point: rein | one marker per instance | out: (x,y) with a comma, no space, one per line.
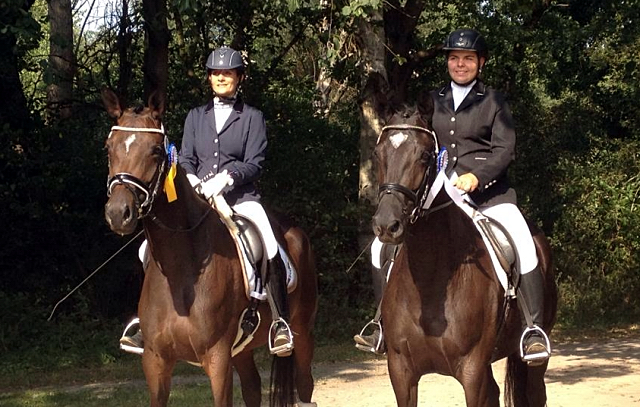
(419,196)
(134,184)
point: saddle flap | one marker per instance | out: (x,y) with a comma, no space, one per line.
(500,241)
(250,237)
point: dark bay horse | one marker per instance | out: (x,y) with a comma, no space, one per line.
(444,310)
(193,292)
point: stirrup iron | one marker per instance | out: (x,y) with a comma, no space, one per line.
(128,348)
(378,347)
(281,350)
(536,356)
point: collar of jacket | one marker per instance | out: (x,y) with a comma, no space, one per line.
(479,88)
(238,106)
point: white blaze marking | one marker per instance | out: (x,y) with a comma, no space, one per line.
(129,141)
(397,139)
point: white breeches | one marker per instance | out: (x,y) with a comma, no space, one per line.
(510,217)
(255,212)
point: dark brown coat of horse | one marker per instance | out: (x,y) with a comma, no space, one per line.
(444,310)
(193,292)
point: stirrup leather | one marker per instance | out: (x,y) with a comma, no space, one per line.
(536,356)
(378,347)
(281,350)
(127,348)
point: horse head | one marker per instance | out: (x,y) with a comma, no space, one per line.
(137,156)
(405,156)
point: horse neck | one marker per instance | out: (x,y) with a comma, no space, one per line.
(178,230)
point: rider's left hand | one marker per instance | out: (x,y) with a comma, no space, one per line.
(216,184)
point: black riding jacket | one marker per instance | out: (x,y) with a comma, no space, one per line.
(480,138)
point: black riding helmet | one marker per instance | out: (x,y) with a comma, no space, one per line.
(225,58)
(466,39)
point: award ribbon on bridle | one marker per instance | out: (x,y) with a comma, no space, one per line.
(169,185)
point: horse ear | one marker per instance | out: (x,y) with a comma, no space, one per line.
(157,103)
(376,90)
(111,103)
(425,105)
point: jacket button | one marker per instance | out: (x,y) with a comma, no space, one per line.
(215,141)
(453,119)
(453,145)
(451,132)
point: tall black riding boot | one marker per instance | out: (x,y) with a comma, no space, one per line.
(280,335)
(535,346)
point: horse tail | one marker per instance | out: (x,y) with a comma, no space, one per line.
(515,383)
(282,381)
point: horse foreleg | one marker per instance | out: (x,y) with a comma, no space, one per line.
(303,354)
(158,374)
(480,388)
(217,365)
(249,378)
(403,380)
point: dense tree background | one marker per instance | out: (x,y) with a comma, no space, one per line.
(570,69)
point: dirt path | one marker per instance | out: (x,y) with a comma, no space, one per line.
(580,375)
(588,373)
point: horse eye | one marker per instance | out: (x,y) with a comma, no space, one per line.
(158,151)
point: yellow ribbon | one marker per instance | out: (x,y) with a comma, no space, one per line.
(169,186)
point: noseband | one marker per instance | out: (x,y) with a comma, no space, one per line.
(134,184)
(419,196)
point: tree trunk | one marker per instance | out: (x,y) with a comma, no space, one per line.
(156,56)
(13,109)
(372,46)
(400,24)
(62,63)
(124,45)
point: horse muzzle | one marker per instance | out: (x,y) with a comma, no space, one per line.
(121,213)
(389,225)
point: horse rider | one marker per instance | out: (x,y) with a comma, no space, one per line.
(474,123)
(223,148)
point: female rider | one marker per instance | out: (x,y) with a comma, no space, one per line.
(475,124)
(223,147)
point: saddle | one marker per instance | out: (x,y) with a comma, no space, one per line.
(251,250)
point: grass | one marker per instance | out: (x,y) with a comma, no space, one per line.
(120,383)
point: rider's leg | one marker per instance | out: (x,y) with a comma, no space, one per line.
(381,258)
(136,340)
(282,339)
(535,345)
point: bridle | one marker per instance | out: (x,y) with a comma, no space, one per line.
(134,184)
(419,196)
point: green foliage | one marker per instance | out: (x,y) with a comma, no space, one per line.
(312,175)
(598,237)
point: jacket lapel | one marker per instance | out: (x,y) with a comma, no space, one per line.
(446,98)
(211,117)
(235,115)
(476,93)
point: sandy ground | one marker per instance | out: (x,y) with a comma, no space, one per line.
(580,375)
(589,373)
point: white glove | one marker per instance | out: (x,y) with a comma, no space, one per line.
(193,180)
(216,184)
